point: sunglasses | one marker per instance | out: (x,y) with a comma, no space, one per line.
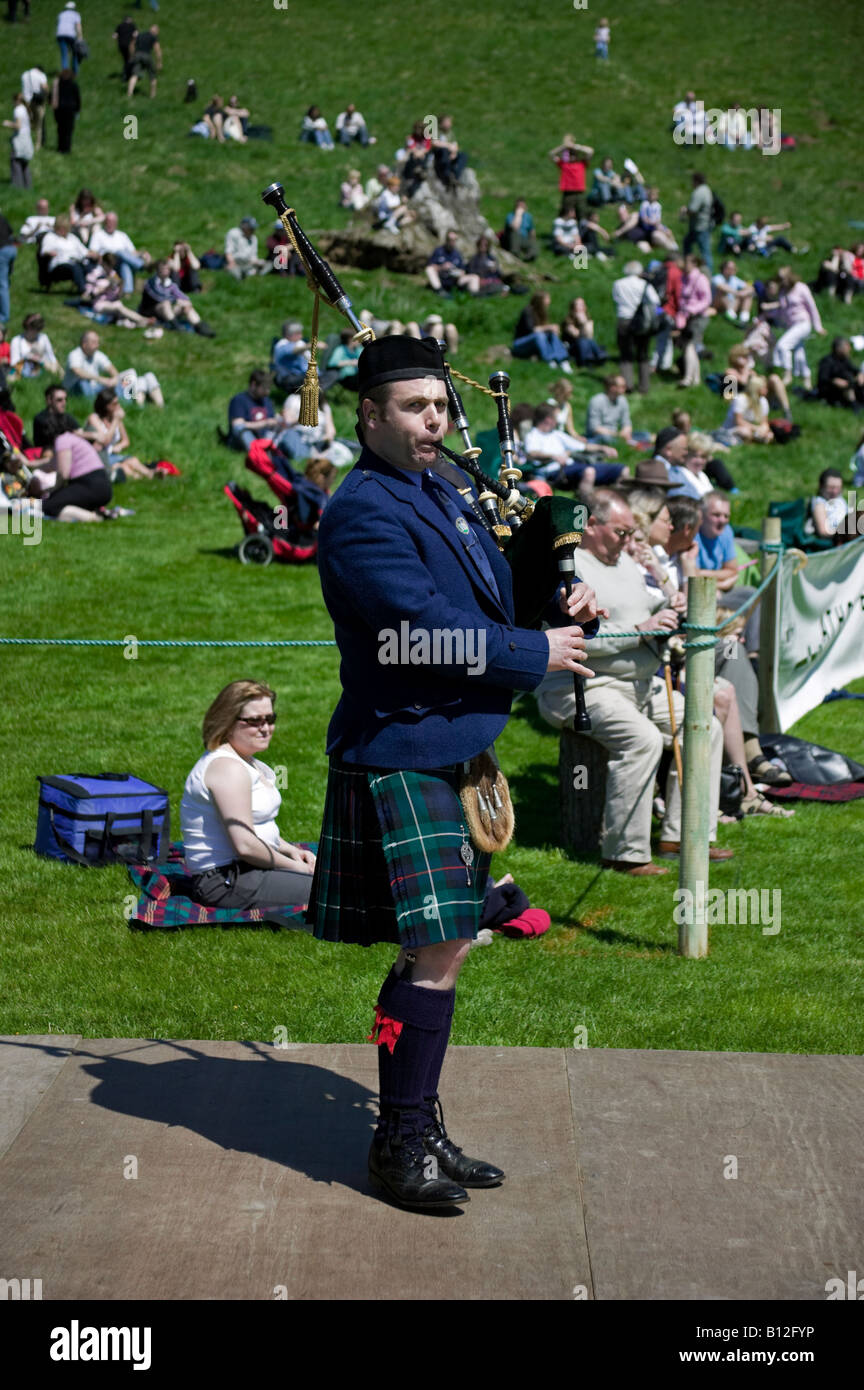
(623,533)
(257,721)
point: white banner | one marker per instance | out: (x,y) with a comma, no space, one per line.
(820,628)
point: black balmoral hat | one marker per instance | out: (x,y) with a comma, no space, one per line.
(398,358)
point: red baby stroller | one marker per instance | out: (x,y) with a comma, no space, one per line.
(287,532)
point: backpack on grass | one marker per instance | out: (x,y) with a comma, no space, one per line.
(102,817)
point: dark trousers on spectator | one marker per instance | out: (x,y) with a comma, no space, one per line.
(19,172)
(719,474)
(73,270)
(633,347)
(575,202)
(65,125)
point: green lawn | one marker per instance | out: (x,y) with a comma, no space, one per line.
(515,84)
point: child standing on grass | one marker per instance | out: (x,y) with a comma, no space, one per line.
(601,40)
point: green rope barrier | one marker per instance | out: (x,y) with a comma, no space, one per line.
(715,630)
(145,642)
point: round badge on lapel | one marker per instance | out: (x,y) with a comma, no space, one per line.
(462,525)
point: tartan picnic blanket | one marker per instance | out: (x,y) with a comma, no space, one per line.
(164,906)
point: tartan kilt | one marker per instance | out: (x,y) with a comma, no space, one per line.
(389,866)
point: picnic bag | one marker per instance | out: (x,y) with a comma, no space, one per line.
(102,817)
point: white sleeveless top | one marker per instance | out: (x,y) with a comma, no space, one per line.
(206,842)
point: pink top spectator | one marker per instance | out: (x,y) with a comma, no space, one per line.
(84,457)
(798,305)
(695,297)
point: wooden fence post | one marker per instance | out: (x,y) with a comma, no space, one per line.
(696,796)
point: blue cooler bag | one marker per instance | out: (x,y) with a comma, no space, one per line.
(97,818)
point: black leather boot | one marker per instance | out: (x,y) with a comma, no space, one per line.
(470,1172)
(399,1162)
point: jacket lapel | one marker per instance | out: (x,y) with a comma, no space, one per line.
(405,490)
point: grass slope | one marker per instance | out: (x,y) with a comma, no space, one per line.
(69,962)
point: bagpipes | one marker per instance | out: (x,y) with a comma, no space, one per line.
(538,537)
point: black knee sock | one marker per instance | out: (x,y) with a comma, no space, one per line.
(437,1051)
(409,1020)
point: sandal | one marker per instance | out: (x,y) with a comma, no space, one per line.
(763,771)
(759,805)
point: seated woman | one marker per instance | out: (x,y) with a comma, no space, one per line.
(630,229)
(184,266)
(344,358)
(107,432)
(649,219)
(519,236)
(298,441)
(561,397)
(484,265)
(235,119)
(31,350)
(211,123)
(757,349)
(82,489)
(535,336)
(690,478)
(103,293)
(351,193)
(747,416)
(391,209)
(709,443)
(828,510)
(85,214)
(315,129)
(234,852)
(577,334)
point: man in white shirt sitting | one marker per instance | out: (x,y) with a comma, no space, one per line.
(66,254)
(241,251)
(626,699)
(350,125)
(732,295)
(554,455)
(89,371)
(38,222)
(108,237)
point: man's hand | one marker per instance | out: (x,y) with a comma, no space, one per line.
(678,602)
(567,650)
(581,604)
(664,620)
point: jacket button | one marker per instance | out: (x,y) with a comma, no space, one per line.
(512,646)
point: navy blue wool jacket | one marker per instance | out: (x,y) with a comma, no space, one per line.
(389,556)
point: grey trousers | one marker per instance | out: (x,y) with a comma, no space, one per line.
(243,885)
(631,720)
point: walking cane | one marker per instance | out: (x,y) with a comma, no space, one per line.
(676,747)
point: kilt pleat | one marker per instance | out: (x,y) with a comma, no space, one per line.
(389,866)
